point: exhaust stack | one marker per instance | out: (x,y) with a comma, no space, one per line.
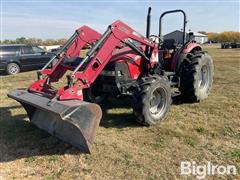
(148,22)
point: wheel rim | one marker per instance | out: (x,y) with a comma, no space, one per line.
(204,78)
(13,69)
(158,103)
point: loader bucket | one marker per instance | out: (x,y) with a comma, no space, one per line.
(72,121)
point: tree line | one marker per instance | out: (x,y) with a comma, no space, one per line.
(227,36)
(35,41)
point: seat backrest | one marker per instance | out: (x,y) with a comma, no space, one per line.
(72,61)
(169,44)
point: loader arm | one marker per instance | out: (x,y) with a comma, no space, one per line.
(82,36)
(98,57)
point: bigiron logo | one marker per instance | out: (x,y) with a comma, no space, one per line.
(203,170)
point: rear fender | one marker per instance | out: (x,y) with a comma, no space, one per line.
(191,47)
(182,53)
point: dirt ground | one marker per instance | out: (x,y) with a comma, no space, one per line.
(123,149)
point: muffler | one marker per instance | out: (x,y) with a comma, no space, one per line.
(72,121)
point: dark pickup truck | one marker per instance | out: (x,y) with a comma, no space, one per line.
(17,57)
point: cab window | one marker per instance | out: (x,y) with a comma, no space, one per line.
(27,50)
(37,50)
(9,51)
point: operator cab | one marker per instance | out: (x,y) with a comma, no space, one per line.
(167,47)
(167,51)
(169,44)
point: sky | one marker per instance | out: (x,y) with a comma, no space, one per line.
(59,18)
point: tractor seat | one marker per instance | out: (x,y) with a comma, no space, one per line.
(169,44)
(72,61)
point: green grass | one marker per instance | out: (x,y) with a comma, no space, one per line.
(234,154)
(123,149)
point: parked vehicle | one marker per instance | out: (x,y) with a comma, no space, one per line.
(18,57)
(54,50)
(228,45)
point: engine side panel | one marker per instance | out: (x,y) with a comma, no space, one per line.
(132,60)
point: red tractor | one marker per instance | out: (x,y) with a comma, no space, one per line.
(120,62)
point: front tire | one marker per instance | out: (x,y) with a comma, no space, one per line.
(152,100)
(12,68)
(196,77)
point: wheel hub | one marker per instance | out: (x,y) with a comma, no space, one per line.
(13,69)
(204,78)
(158,102)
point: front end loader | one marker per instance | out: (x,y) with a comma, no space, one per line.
(120,62)
(70,119)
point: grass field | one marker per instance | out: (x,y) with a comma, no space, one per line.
(123,149)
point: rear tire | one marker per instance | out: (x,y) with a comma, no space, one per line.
(152,100)
(196,77)
(12,68)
